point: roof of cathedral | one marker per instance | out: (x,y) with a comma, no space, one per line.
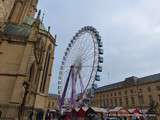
(17,30)
(23,29)
(130,81)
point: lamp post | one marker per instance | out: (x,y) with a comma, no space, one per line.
(22,106)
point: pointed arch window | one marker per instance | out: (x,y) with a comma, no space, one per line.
(32,72)
(45,70)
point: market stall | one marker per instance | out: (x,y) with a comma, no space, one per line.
(137,113)
(120,113)
(81,113)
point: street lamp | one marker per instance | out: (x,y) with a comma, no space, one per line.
(21,109)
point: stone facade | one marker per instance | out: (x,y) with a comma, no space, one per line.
(131,93)
(52,102)
(26,58)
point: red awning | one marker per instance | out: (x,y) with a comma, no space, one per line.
(81,113)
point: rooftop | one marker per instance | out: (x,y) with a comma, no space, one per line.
(131,81)
(23,29)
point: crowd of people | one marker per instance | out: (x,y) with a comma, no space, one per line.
(91,115)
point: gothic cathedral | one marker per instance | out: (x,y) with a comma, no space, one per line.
(26,58)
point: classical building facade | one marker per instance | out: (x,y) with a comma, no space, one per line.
(131,93)
(26,58)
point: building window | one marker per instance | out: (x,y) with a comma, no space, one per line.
(150,99)
(115,102)
(52,104)
(131,91)
(111,94)
(159,97)
(140,90)
(104,103)
(133,101)
(111,102)
(45,71)
(107,95)
(158,88)
(149,89)
(127,101)
(141,99)
(120,101)
(119,93)
(104,96)
(101,104)
(107,102)
(97,102)
(48,104)
(115,94)
(125,92)
(100,101)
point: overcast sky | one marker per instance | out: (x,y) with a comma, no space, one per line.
(130,30)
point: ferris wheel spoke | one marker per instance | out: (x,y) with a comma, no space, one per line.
(83,44)
(87,46)
(85,58)
(87,51)
(80,45)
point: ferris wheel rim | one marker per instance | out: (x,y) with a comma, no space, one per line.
(72,42)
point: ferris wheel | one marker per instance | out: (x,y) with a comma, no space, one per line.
(80,66)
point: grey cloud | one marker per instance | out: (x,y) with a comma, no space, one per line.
(129,29)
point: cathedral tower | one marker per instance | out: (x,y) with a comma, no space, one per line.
(22,9)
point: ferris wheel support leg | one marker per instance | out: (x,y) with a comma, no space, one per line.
(65,89)
(81,83)
(73,95)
